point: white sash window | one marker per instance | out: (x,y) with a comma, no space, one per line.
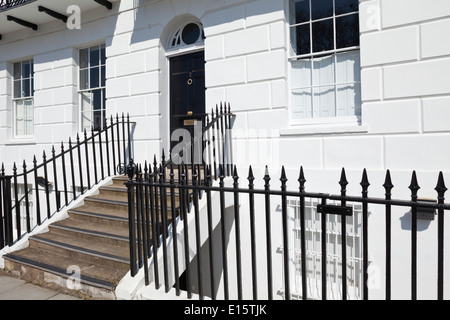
(92,88)
(325,60)
(23,84)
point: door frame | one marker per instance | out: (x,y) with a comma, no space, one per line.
(169,56)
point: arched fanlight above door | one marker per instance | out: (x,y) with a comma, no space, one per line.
(190,33)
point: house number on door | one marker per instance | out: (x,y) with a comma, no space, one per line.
(189,82)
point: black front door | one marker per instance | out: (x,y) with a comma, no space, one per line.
(187,92)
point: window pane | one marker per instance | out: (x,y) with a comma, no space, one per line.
(26,69)
(94,80)
(86,111)
(94,56)
(103,77)
(84,79)
(17,88)
(349,100)
(323,39)
(301,40)
(97,120)
(84,58)
(97,99)
(301,11)
(348,67)
(347,31)
(20,112)
(301,103)
(324,102)
(26,88)
(321,9)
(17,70)
(190,33)
(323,73)
(102,54)
(346,6)
(29,117)
(301,73)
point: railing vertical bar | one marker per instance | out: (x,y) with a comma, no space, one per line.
(27,201)
(284,217)
(107,147)
(214,134)
(47,192)
(88,176)
(222,139)
(365,185)
(72,169)
(183,195)
(131,221)
(323,242)
(157,221)
(208,183)
(113,146)
(63,162)
(153,210)
(55,178)
(144,222)
(414,187)
(163,203)
(223,230)
(174,230)
(302,181)
(80,167)
(388,187)
(197,232)
(16,199)
(118,140)
(38,206)
(123,142)
(268,234)
(100,150)
(94,156)
(251,196)
(137,226)
(129,137)
(440,189)
(8,212)
(238,233)
(343,182)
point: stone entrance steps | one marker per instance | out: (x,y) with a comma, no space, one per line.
(87,252)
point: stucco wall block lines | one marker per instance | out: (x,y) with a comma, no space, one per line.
(417,79)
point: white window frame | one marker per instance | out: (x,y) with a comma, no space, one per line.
(16,100)
(339,120)
(90,90)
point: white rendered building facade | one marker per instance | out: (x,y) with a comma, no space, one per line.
(323,84)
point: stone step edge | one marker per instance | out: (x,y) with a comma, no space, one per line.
(90,232)
(97,215)
(82,250)
(60,272)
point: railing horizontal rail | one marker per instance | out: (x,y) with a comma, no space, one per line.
(318,195)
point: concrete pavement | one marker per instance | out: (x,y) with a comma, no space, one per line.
(12,288)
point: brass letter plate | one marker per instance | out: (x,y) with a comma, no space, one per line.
(190,122)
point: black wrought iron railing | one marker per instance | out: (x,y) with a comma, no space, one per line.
(303,267)
(31,195)
(8,4)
